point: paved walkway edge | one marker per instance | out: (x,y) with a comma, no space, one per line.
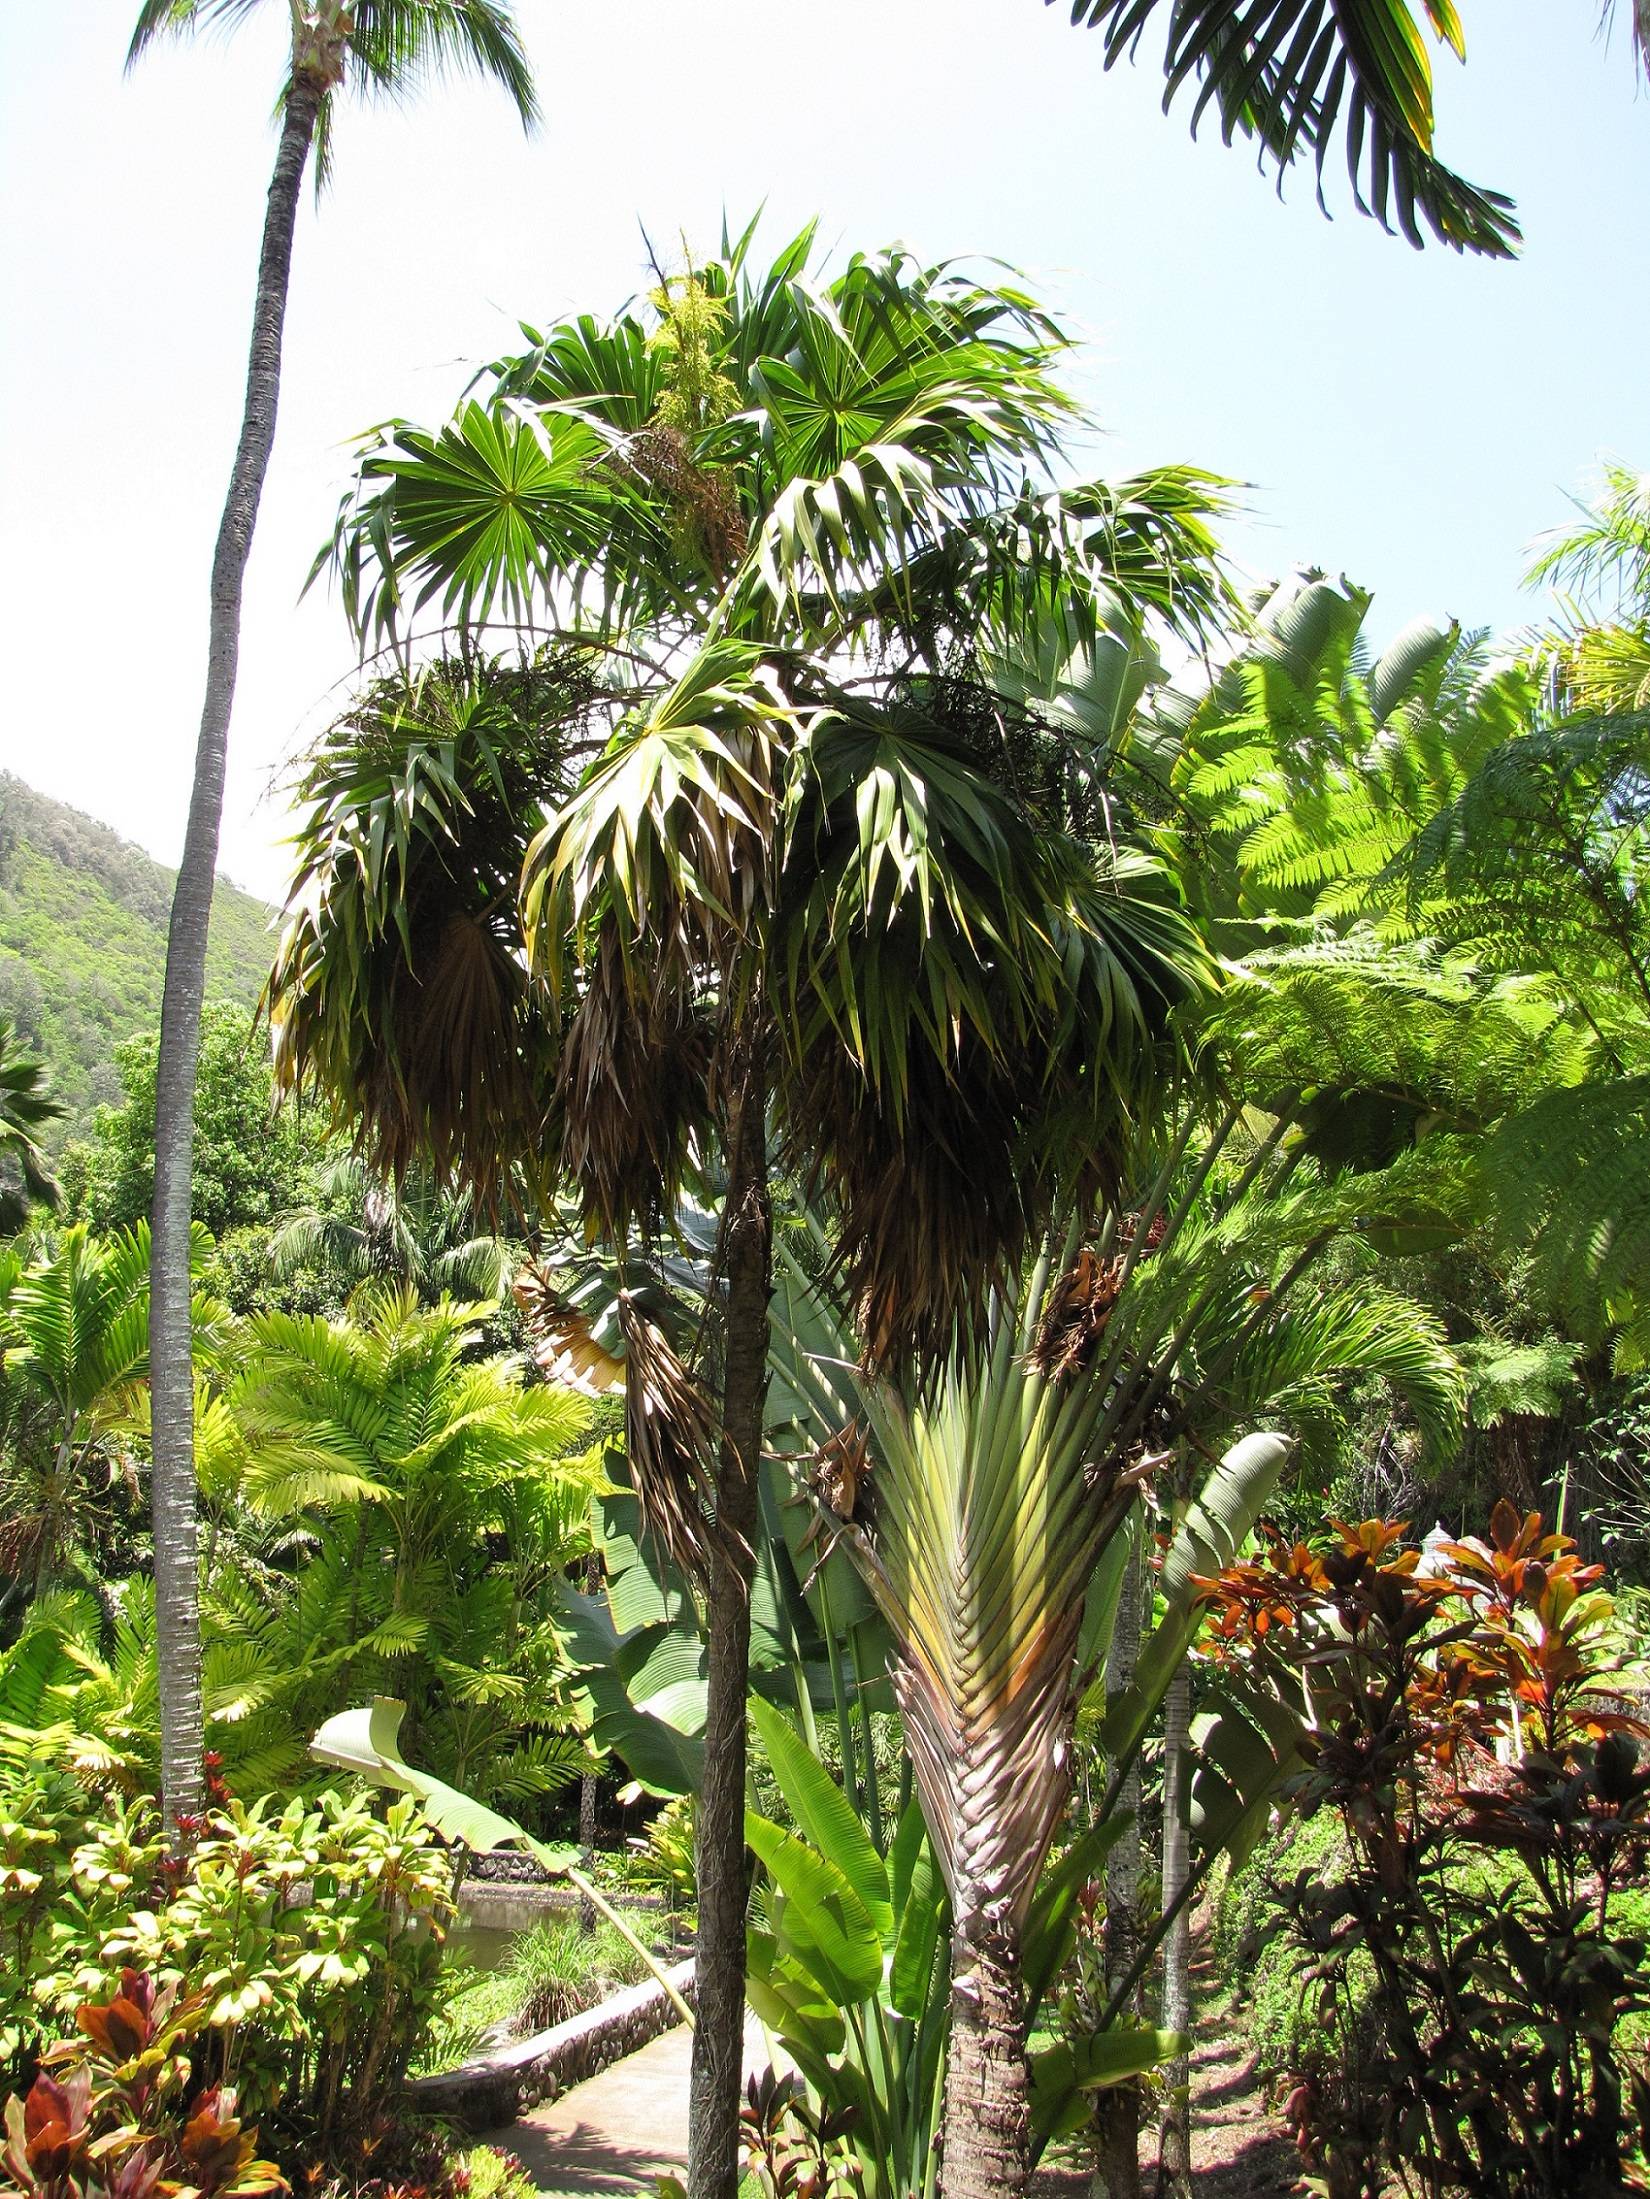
(498,2085)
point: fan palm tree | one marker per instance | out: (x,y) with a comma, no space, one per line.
(1300,77)
(386,46)
(788,872)
(421,1236)
(26,1109)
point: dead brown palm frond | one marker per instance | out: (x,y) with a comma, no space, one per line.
(671,1440)
(841,1472)
(838,1483)
(631,1089)
(1075,1318)
(400,988)
(933,1204)
(1081,1302)
(564,1346)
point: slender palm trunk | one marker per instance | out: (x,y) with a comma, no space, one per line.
(719,2028)
(987,2087)
(1175,2159)
(171,1360)
(587,1785)
(1116,2127)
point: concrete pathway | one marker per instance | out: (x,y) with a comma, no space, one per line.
(619,2131)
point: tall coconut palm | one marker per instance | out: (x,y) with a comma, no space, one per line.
(386,46)
(786,872)
(1298,75)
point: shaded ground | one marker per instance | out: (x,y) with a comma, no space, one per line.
(1240,2149)
(617,2133)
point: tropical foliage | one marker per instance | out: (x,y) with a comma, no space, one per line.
(875,1142)
(1498,2024)
(1306,81)
(778,868)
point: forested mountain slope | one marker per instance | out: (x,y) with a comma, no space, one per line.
(83,941)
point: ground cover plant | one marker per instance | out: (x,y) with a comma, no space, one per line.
(556,1969)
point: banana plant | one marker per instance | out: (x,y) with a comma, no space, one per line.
(367,1741)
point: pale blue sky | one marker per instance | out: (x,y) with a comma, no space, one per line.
(1411,419)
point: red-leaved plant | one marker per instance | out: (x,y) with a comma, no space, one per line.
(1468,1729)
(126,2121)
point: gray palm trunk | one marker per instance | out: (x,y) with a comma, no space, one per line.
(987,2145)
(722,1884)
(171,1355)
(587,1785)
(1175,2170)
(1116,2126)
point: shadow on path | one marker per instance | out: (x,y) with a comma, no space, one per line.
(583,2161)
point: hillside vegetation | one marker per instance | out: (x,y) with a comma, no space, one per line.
(83,941)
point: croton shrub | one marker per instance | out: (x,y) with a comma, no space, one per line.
(1468,1724)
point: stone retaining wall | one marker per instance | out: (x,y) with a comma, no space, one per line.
(516,1905)
(497,2086)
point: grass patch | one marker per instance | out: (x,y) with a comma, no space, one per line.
(555,1970)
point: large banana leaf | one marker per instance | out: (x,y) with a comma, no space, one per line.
(847,1963)
(1220,1517)
(366,1741)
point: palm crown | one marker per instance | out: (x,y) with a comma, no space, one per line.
(783,768)
(388,47)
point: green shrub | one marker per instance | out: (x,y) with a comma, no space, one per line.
(553,1971)
(130,2118)
(558,1968)
(1471,1942)
(311,1942)
(488,2172)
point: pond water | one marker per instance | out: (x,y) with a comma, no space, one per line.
(479,1946)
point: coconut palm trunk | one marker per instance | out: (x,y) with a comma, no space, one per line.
(718,2038)
(177,1578)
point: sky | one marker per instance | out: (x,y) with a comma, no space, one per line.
(1414,420)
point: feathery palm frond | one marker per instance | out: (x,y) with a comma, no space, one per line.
(393,48)
(26,1109)
(1288,74)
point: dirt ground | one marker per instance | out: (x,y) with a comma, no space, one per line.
(1240,2148)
